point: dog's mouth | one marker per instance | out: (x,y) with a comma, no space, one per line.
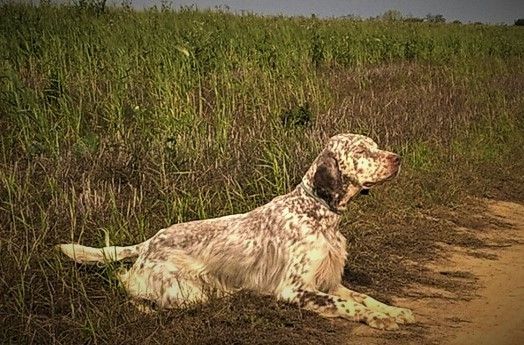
(366,186)
(364,191)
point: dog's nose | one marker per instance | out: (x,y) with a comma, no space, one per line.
(395,159)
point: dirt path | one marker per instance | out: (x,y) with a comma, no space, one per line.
(495,314)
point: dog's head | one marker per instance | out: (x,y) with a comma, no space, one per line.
(349,164)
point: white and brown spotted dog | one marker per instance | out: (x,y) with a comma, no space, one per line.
(289,248)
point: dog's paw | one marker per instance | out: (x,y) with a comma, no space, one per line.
(382,321)
(401,315)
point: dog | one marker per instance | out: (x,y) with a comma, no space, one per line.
(289,248)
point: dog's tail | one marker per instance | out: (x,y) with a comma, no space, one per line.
(83,254)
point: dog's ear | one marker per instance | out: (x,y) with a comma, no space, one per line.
(327,181)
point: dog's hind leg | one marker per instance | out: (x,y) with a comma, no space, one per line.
(168,284)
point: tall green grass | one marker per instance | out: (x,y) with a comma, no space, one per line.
(72,77)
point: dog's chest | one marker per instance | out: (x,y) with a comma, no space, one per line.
(327,258)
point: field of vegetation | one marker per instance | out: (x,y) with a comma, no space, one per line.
(117,123)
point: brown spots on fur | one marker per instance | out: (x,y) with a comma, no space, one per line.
(312,212)
(319,300)
(295,279)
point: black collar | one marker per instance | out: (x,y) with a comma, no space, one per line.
(312,194)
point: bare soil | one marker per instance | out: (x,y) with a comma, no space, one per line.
(491,314)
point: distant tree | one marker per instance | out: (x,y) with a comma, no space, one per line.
(392,16)
(352,17)
(127,5)
(413,19)
(457,22)
(519,22)
(435,18)
(440,18)
(96,6)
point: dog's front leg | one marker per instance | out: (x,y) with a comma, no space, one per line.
(334,306)
(401,315)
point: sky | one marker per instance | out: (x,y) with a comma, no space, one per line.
(486,11)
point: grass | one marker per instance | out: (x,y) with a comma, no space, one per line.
(118,123)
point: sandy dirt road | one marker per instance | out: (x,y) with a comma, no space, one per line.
(494,315)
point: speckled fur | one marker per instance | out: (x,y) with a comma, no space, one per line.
(289,248)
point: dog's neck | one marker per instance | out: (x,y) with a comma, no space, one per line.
(309,192)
